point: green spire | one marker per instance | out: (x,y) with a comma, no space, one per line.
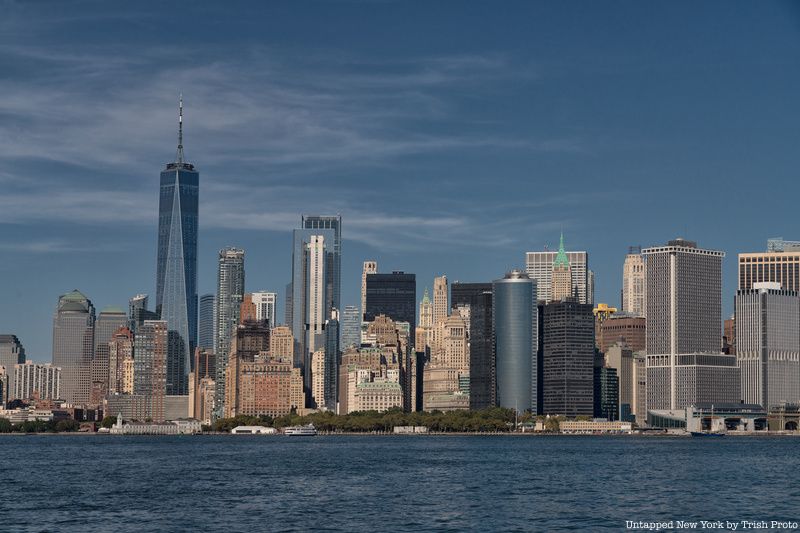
(562,261)
(425,298)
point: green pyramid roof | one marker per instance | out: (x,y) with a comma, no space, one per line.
(561,260)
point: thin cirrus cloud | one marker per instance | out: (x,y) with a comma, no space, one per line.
(104,114)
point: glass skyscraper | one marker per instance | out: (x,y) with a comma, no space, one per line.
(478,296)
(230,293)
(206,328)
(176,269)
(351,327)
(334,267)
(393,295)
(516,340)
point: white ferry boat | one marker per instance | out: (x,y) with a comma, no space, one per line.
(301,431)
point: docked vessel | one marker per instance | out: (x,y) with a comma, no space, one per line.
(301,431)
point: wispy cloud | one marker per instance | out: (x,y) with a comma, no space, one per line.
(263,128)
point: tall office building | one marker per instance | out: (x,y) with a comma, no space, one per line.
(265,306)
(36,380)
(393,295)
(249,344)
(780,264)
(684,317)
(478,298)
(108,322)
(333,275)
(633,283)
(230,292)
(516,337)
(176,269)
(621,358)
(207,327)
(311,289)
(568,358)
(561,277)
(150,369)
(120,350)
(590,287)
(370,267)
(332,359)
(11,353)
(539,266)
(73,345)
(440,308)
(768,344)
(351,327)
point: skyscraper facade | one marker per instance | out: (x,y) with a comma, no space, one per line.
(333,278)
(768,344)
(478,297)
(207,326)
(230,292)
(561,278)
(440,296)
(150,370)
(539,266)
(633,283)
(780,263)
(265,303)
(684,315)
(311,292)
(515,327)
(73,345)
(370,267)
(108,322)
(11,353)
(351,327)
(568,358)
(176,268)
(34,379)
(393,295)
(332,360)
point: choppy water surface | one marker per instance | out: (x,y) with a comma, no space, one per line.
(385,483)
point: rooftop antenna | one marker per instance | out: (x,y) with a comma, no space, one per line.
(179,155)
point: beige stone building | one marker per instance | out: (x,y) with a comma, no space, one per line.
(258,387)
(318,378)
(370,267)
(562,274)
(440,299)
(446,377)
(297,396)
(634,301)
(281,342)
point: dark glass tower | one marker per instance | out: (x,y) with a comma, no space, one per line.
(568,358)
(176,270)
(393,295)
(478,296)
(207,325)
(516,339)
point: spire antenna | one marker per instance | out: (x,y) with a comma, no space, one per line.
(179,155)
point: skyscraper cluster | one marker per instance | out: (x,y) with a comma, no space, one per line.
(533,339)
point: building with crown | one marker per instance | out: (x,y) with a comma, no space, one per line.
(543,266)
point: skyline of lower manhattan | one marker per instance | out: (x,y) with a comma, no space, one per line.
(499,266)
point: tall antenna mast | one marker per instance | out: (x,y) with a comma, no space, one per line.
(179,155)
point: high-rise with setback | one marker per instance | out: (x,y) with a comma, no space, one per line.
(684,320)
(73,345)
(230,292)
(176,268)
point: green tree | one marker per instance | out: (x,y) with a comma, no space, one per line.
(6,426)
(67,425)
(108,421)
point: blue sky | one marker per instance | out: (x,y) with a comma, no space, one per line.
(451,136)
